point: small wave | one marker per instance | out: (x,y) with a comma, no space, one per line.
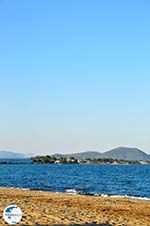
(74,191)
(130,197)
(71,191)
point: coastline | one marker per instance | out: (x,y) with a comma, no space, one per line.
(49,208)
(74,192)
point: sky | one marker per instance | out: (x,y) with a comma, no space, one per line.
(74,75)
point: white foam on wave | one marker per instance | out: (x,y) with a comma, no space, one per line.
(71,191)
(124,196)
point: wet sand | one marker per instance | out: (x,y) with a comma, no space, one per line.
(44,208)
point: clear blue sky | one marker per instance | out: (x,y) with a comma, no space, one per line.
(74,75)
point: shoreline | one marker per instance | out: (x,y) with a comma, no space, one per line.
(50,208)
(74,192)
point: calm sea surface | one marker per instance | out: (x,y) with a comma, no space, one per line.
(132,180)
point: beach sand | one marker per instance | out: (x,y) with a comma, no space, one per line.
(44,208)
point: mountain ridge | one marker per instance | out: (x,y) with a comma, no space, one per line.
(11,155)
(119,153)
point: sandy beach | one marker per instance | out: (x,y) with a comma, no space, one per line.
(44,208)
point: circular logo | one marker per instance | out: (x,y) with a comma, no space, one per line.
(12,214)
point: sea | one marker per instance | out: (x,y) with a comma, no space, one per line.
(88,179)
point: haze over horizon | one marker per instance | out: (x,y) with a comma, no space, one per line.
(74,75)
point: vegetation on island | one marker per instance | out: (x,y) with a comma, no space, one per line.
(52,159)
(72,160)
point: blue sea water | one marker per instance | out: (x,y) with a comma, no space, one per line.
(131,180)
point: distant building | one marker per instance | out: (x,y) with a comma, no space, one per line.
(143,162)
(57,162)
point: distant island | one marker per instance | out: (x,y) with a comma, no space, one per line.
(71,160)
(11,155)
(121,155)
